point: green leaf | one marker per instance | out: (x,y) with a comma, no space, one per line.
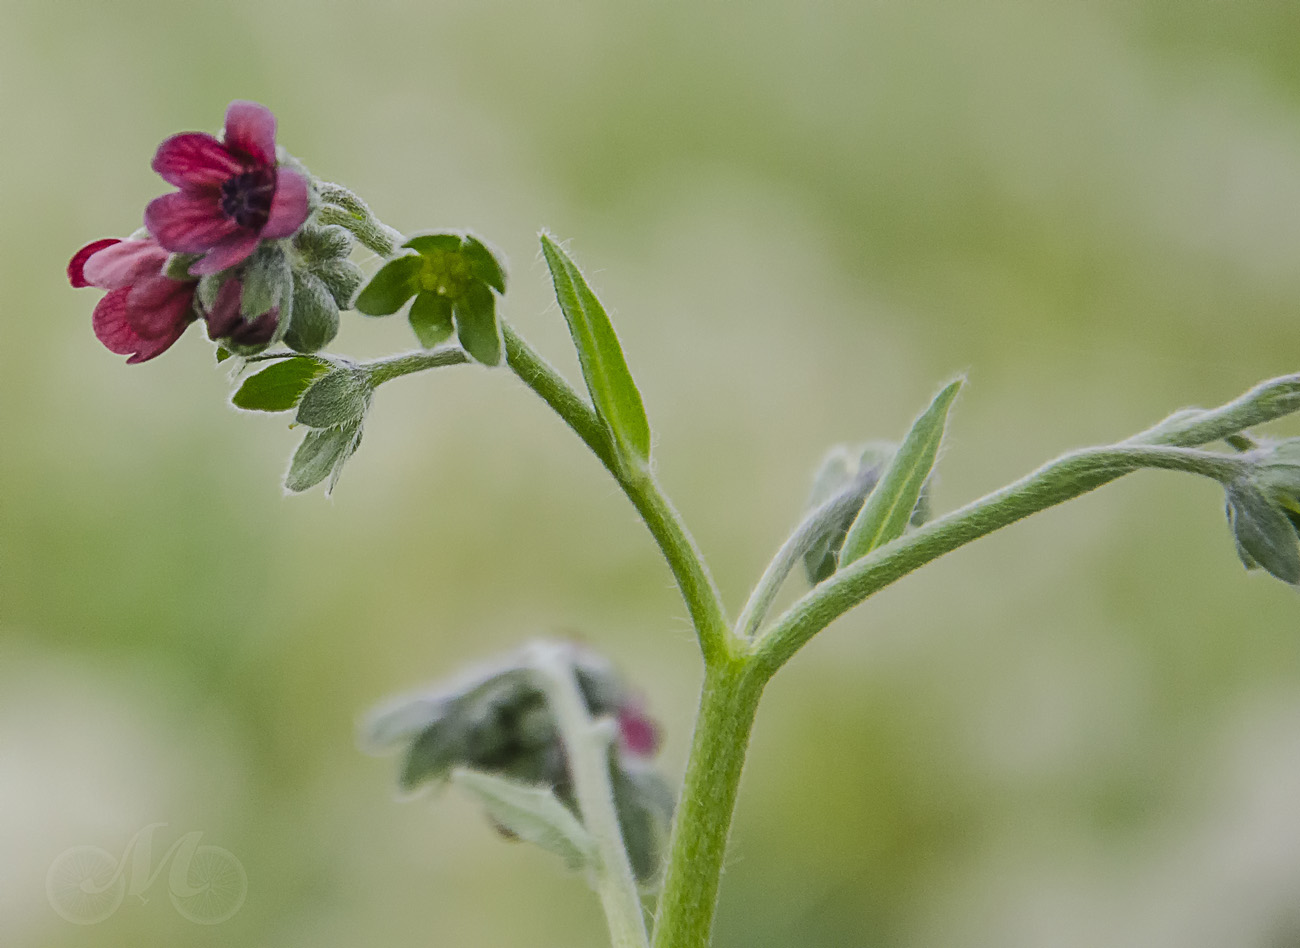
(342,278)
(483,263)
(222,354)
(322,454)
(395,283)
(891,504)
(645,811)
(426,243)
(430,318)
(533,814)
(477,326)
(1264,533)
(339,398)
(265,279)
(842,468)
(613,392)
(315,319)
(279,387)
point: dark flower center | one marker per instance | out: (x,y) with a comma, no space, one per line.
(246,198)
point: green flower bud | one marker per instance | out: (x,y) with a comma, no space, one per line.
(1263,509)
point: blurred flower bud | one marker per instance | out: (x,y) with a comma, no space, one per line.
(1263,508)
(497,721)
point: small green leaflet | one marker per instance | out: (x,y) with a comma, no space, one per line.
(889,506)
(613,392)
(280,386)
(533,814)
(322,454)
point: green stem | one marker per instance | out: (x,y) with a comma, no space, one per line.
(699,837)
(587,747)
(813,527)
(344,208)
(408,363)
(665,524)
(1064,479)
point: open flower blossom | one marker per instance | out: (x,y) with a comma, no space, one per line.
(233,192)
(144,312)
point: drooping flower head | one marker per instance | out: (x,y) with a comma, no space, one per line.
(144,312)
(234,193)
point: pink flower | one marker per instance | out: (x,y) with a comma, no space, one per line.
(144,312)
(227,324)
(637,733)
(232,192)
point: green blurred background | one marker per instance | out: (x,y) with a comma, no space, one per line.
(1082,731)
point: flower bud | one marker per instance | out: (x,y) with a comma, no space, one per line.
(1263,507)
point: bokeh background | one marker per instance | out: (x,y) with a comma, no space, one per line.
(1082,731)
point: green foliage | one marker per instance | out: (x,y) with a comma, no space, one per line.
(890,506)
(389,289)
(613,391)
(266,280)
(322,454)
(341,397)
(280,386)
(841,470)
(477,326)
(532,814)
(430,319)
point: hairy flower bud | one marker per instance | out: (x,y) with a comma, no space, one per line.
(1263,507)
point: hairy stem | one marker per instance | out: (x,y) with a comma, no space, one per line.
(408,363)
(587,746)
(1064,479)
(665,525)
(699,838)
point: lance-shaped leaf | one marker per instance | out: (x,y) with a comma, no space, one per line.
(280,386)
(889,506)
(322,454)
(613,392)
(531,813)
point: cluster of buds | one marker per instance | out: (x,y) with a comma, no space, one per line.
(236,246)
(497,721)
(848,474)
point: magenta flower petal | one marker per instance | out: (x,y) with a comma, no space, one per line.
(250,128)
(156,306)
(114,330)
(124,263)
(224,316)
(289,207)
(640,735)
(188,221)
(195,160)
(77,265)
(231,250)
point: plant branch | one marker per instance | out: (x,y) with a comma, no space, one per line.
(1068,477)
(665,525)
(587,747)
(408,363)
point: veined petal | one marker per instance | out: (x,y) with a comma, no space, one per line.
(114,330)
(195,160)
(232,249)
(250,128)
(123,263)
(77,265)
(289,207)
(224,315)
(155,307)
(188,221)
